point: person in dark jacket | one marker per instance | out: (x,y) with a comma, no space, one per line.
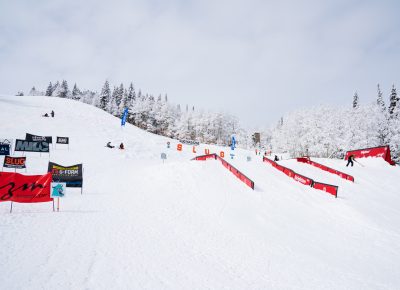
(109,145)
(52,113)
(350,160)
(121,146)
(276,158)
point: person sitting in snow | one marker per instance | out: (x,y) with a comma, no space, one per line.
(121,146)
(45,115)
(350,160)
(109,145)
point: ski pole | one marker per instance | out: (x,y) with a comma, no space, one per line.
(359,163)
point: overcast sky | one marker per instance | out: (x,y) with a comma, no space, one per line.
(254,59)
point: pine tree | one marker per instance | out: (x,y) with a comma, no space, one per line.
(63,92)
(355,101)
(76,92)
(49,90)
(105,96)
(380,102)
(33,91)
(394,101)
(54,90)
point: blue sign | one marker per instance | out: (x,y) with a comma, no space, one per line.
(124,116)
(4,149)
(233,143)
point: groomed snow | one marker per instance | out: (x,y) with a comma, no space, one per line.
(142,224)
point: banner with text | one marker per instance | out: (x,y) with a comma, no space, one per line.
(72,175)
(32,146)
(30,137)
(14,162)
(24,188)
(4,149)
(62,140)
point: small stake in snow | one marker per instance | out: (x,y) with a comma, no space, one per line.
(163,157)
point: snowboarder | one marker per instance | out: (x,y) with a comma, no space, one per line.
(121,146)
(52,113)
(276,158)
(350,160)
(109,145)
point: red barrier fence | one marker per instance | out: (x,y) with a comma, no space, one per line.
(228,166)
(329,188)
(325,168)
(205,157)
(332,189)
(382,151)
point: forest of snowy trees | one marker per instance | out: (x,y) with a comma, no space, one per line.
(323,131)
(326,131)
(155,114)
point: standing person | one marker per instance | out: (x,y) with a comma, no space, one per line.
(52,113)
(350,160)
(121,146)
(276,158)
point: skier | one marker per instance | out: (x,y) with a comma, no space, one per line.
(121,146)
(52,113)
(109,145)
(350,160)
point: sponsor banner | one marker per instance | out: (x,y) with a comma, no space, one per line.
(14,162)
(4,149)
(58,189)
(24,188)
(32,146)
(72,175)
(189,142)
(382,151)
(302,179)
(329,188)
(62,140)
(124,116)
(6,141)
(30,137)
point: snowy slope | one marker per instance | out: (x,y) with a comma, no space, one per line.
(142,224)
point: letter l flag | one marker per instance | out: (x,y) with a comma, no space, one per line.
(124,116)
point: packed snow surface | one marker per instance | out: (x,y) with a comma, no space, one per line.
(144,224)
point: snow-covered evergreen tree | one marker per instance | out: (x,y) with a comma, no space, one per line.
(76,93)
(105,96)
(394,101)
(49,90)
(355,100)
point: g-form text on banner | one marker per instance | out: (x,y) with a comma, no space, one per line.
(72,175)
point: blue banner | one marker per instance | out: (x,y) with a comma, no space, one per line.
(233,143)
(124,116)
(4,149)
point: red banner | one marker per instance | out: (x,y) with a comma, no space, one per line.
(325,168)
(25,188)
(383,151)
(332,189)
(205,157)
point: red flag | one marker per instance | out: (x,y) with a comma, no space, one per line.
(25,188)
